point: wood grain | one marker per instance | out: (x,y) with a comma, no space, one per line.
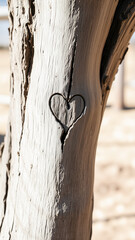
(47,190)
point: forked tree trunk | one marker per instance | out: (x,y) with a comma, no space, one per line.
(64,56)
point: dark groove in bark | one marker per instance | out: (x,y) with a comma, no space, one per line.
(11,20)
(124,55)
(9,235)
(123,11)
(1,224)
(10,232)
(27,61)
(6,193)
(63,136)
(28,58)
(71,69)
(1,149)
(12,83)
(64,132)
(32,7)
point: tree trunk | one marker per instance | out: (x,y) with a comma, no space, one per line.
(64,56)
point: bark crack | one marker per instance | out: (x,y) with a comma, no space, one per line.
(72,69)
(1,149)
(10,232)
(124,10)
(32,7)
(65,132)
(11,20)
(27,61)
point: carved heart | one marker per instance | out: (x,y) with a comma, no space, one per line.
(66,111)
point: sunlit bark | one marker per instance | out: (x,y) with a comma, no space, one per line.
(64,56)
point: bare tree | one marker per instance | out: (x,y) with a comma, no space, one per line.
(64,56)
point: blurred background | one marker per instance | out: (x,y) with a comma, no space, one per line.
(114,207)
(4,68)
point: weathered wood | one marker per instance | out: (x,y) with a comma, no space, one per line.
(47,169)
(122,28)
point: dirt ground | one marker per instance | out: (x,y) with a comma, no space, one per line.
(114,209)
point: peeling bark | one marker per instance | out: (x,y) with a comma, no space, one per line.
(64,56)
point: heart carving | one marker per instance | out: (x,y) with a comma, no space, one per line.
(66,111)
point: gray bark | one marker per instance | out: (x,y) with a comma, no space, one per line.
(64,56)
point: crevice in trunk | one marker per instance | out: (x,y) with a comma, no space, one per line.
(65,132)
(32,7)
(27,61)
(72,69)
(1,149)
(123,11)
(10,232)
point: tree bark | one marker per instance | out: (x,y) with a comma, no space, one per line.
(64,56)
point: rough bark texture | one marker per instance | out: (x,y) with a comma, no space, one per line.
(64,56)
